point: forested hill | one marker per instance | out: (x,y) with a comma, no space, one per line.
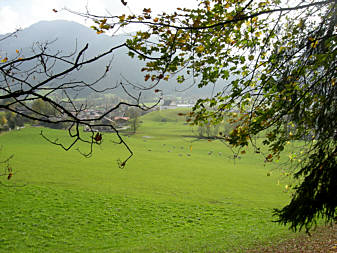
(67,36)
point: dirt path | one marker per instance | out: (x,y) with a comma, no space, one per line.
(323,239)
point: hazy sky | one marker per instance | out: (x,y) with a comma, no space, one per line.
(23,13)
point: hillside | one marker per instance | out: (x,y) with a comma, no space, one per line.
(67,36)
(177,194)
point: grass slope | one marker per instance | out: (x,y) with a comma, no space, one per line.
(173,196)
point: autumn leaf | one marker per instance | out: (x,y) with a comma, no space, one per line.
(122,18)
(314,44)
(101,25)
(196,23)
(147,77)
(54,10)
(98,137)
(145,35)
(200,49)
(269,158)
(262,4)
(147,10)
(258,34)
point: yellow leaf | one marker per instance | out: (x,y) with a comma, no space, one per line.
(262,4)
(17,51)
(145,35)
(106,27)
(155,20)
(99,32)
(200,48)
(122,18)
(314,44)
(102,23)
(281,49)
(4,59)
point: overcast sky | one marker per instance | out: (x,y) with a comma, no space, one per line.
(16,14)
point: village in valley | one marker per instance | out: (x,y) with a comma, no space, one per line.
(123,118)
(126,118)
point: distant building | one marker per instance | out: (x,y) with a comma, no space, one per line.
(168,104)
(121,120)
(185,105)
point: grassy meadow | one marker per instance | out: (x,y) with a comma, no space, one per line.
(177,194)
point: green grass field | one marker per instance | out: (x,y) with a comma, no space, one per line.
(177,194)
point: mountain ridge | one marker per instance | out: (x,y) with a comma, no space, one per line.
(66,36)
